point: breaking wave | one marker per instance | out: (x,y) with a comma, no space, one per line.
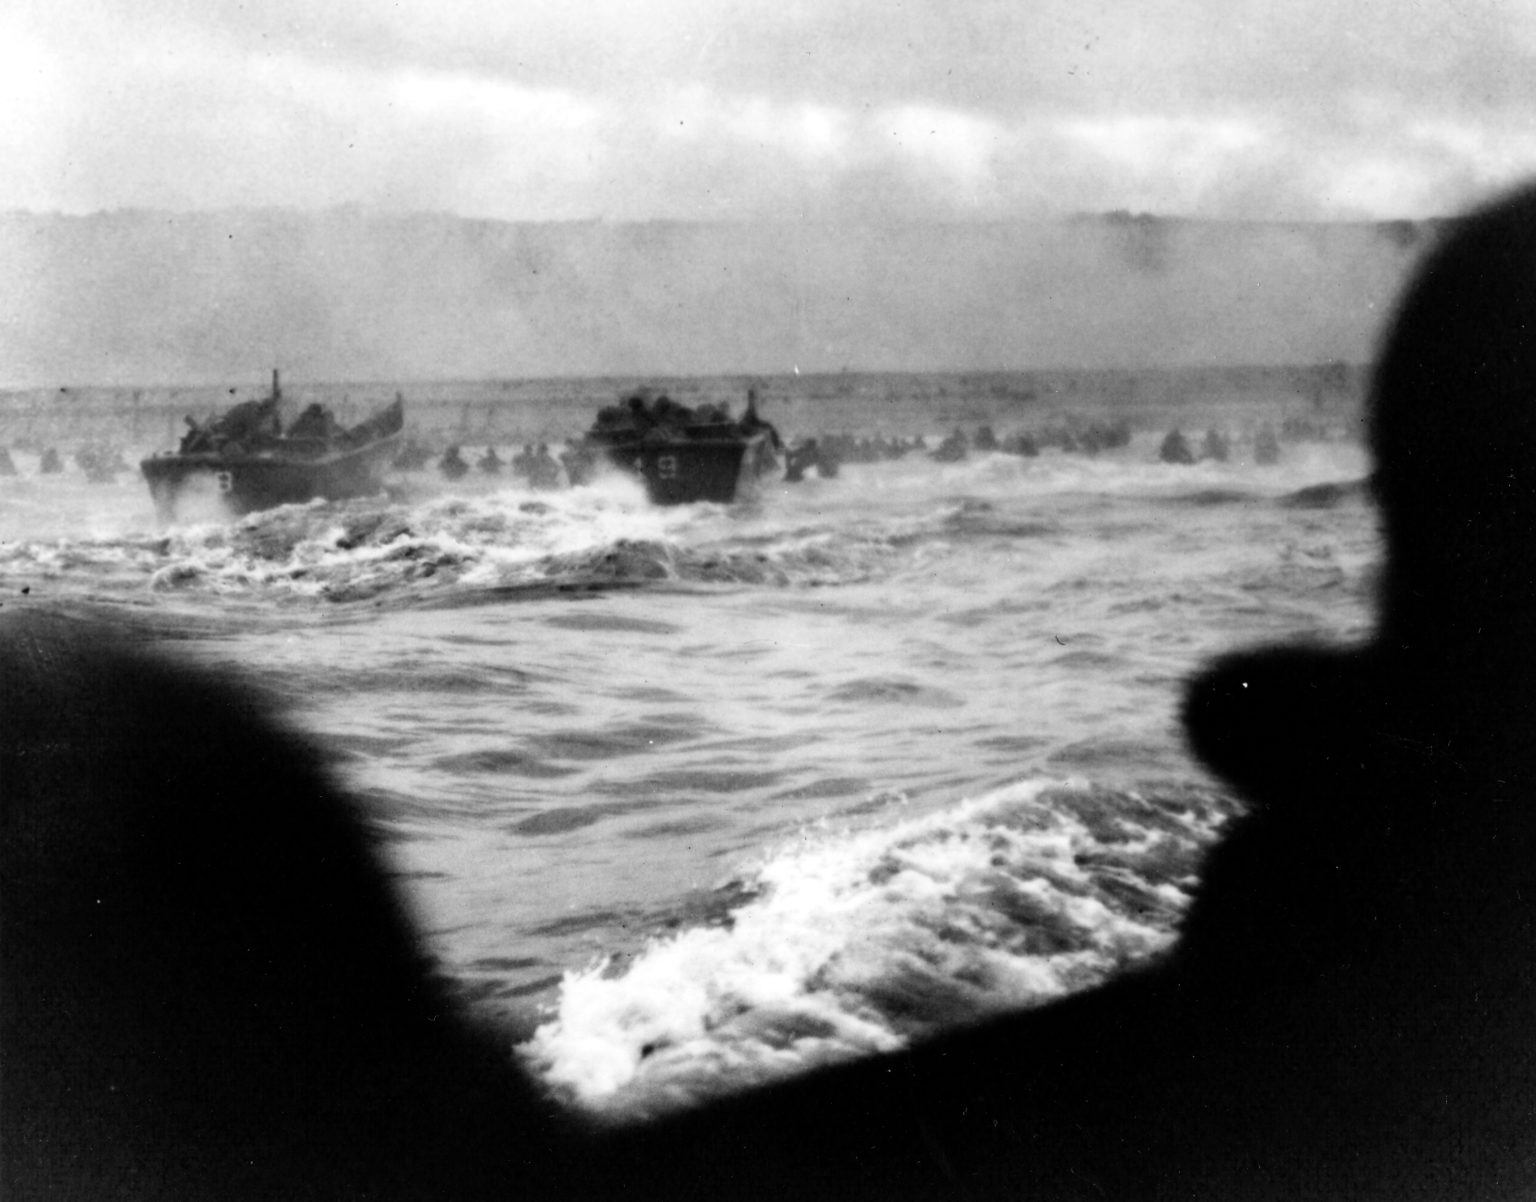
(857,941)
(431,548)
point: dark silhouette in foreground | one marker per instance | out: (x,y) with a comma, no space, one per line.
(209,991)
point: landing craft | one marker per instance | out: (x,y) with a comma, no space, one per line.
(683,454)
(251,462)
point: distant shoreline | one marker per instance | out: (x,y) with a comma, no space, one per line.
(479,409)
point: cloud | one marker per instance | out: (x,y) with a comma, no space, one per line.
(745,108)
(33,92)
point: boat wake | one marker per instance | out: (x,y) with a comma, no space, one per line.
(481,542)
(858,941)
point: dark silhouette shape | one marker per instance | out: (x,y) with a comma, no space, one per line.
(752,421)
(246,426)
(207,989)
(1023,444)
(100,463)
(316,422)
(580,463)
(453,465)
(1216,446)
(1175,448)
(413,457)
(811,453)
(543,470)
(800,459)
(953,449)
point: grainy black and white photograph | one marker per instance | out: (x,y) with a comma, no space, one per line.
(767,600)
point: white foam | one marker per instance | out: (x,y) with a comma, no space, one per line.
(855,942)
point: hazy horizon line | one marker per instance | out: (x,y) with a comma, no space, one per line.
(353,208)
(653,379)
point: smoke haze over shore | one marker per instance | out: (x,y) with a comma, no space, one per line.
(150,297)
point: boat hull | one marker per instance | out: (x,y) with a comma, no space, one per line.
(249,482)
(688,470)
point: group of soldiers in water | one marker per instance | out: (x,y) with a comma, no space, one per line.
(1087,439)
(538,467)
(254,425)
(1217,446)
(534,465)
(100,462)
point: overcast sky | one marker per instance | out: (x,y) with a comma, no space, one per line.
(786,109)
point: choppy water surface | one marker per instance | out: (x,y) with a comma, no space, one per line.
(695,797)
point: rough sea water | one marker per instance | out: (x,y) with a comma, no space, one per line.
(692,798)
